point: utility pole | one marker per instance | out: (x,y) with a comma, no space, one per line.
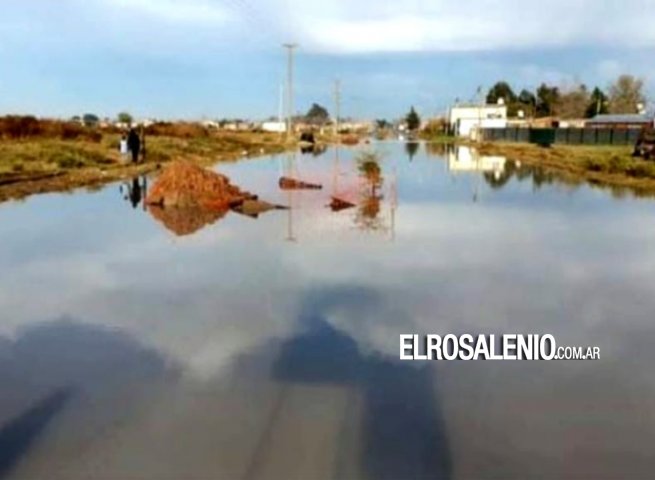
(290,49)
(337,107)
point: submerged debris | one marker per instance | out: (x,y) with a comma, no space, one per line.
(349,139)
(337,204)
(254,208)
(288,183)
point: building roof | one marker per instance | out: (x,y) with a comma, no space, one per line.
(624,118)
(480,106)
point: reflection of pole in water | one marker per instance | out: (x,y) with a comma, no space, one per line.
(476,193)
(291,161)
(335,172)
(145,193)
(290,235)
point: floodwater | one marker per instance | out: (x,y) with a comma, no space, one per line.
(195,346)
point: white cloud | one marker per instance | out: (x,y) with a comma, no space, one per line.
(194,11)
(339,26)
(461,26)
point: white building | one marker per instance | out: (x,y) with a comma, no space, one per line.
(466,120)
(277,127)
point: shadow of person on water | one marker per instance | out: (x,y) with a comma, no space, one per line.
(404,432)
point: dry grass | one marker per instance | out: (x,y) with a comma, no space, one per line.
(603,165)
(14,127)
(38,164)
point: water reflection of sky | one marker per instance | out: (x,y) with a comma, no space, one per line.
(232,352)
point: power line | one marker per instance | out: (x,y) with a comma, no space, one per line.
(250,18)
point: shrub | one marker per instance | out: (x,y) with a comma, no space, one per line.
(178,129)
(19,127)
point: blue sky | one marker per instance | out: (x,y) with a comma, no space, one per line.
(222,58)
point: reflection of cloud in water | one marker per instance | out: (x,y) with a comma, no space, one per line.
(519,262)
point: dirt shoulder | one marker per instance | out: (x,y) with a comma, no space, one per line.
(37,165)
(602,165)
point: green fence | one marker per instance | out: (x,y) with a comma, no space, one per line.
(563,136)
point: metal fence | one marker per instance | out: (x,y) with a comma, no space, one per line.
(565,136)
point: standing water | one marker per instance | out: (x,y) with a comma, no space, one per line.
(163,345)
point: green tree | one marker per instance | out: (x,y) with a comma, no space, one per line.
(90,119)
(626,94)
(501,90)
(527,102)
(125,117)
(547,100)
(413,120)
(598,103)
(317,114)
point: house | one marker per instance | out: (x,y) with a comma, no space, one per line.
(276,127)
(631,120)
(465,120)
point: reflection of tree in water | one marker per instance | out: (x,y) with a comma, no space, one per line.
(368,210)
(437,149)
(412,149)
(368,216)
(498,179)
(539,176)
(315,150)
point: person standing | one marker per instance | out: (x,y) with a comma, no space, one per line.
(123,147)
(134,144)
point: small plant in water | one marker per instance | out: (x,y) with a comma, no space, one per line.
(368,164)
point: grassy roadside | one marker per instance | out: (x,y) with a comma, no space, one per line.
(40,165)
(611,166)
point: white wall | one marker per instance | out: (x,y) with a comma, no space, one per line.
(465,120)
(278,127)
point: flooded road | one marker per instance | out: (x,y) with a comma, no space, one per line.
(265,345)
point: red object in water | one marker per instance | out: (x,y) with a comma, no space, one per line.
(288,183)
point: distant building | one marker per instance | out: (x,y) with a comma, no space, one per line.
(620,121)
(236,125)
(465,120)
(276,127)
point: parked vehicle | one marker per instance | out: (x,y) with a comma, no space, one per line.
(645,146)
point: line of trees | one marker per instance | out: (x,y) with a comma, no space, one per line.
(625,95)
